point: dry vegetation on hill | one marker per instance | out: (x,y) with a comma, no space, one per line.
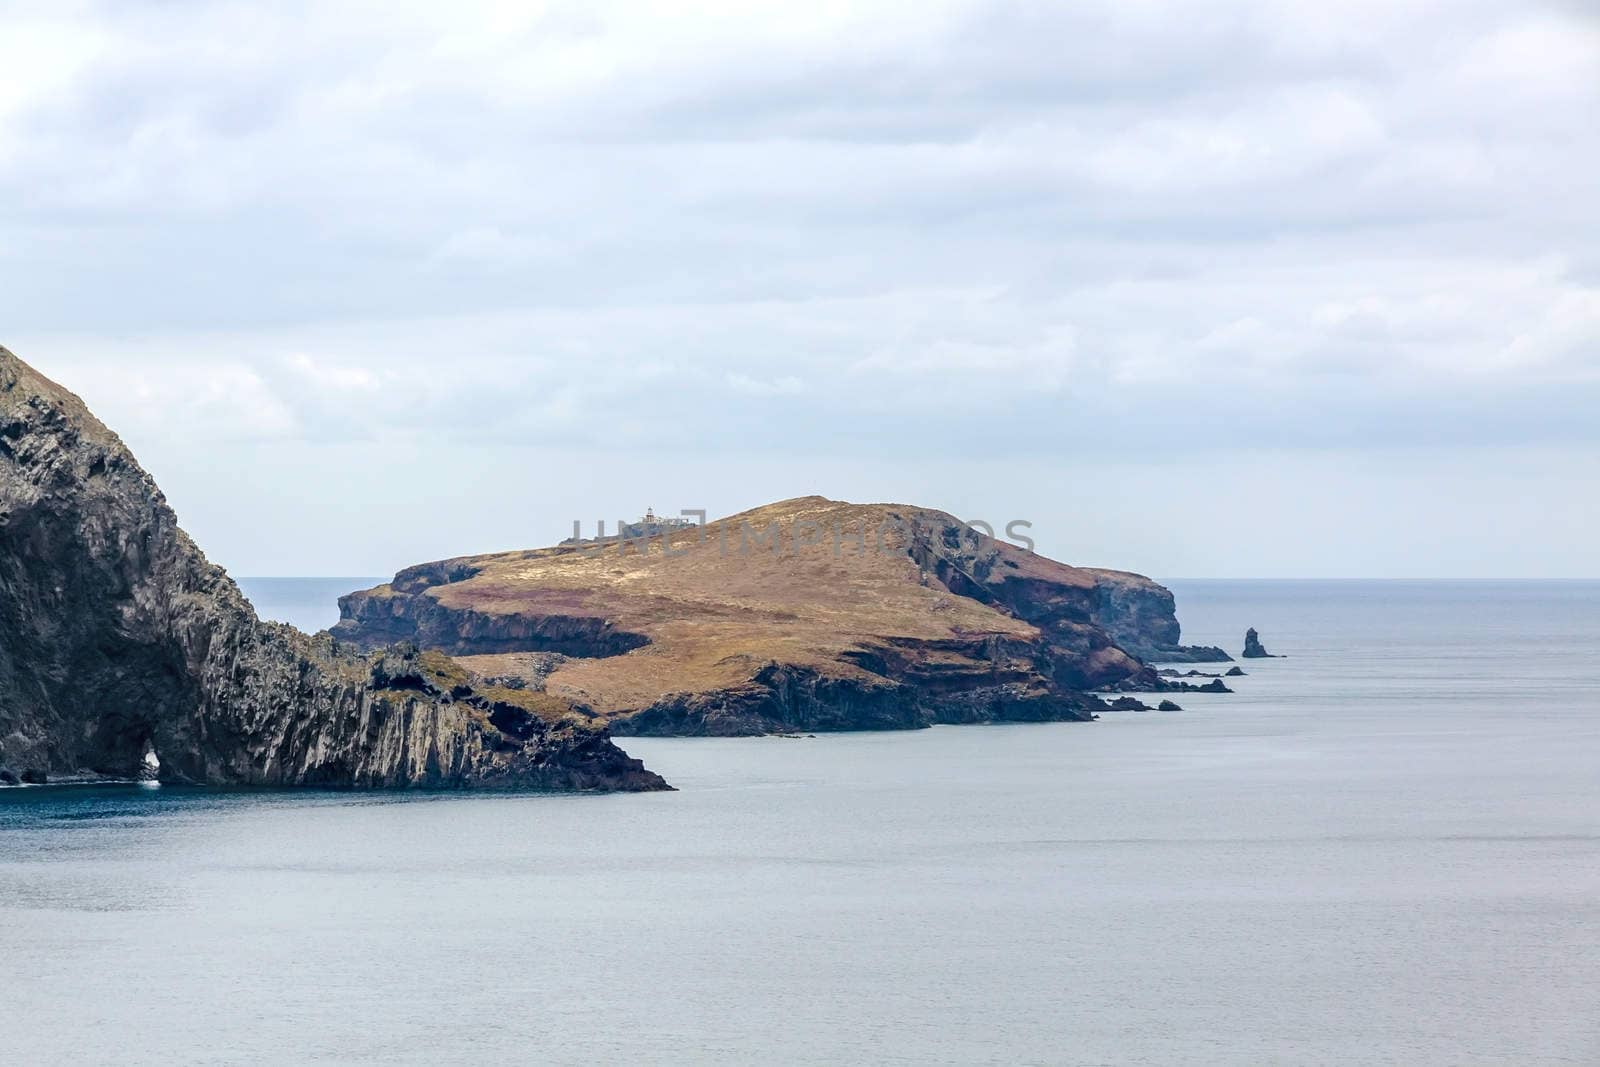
(804,614)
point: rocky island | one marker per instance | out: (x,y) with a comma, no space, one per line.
(1253,648)
(124,653)
(808,614)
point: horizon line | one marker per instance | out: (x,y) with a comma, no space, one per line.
(1185,578)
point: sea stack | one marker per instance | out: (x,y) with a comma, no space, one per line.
(125,654)
(1252,646)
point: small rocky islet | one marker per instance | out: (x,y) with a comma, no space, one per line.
(125,654)
(1253,648)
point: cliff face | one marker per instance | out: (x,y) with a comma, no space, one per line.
(125,653)
(810,614)
(1142,616)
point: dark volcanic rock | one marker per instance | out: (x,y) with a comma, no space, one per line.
(372,621)
(1150,680)
(1234,672)
(1253,648)
(779,699)
(118,639)
(1167,705)
(786,700)
(1141,615)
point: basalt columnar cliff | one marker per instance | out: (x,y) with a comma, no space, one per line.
(124,653)
(809,614)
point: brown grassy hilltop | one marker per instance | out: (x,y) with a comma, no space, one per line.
(804,614)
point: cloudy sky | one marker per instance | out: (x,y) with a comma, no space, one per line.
(1198,288)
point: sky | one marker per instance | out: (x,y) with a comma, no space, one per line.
(1199,289)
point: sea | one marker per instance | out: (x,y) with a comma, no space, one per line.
(1383,848)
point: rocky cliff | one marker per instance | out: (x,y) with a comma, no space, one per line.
(1142,616)
(809,614)
(124,653)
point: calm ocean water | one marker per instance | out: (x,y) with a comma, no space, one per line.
(1384,849)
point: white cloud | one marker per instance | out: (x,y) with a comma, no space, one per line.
(331,376)
(490,246)
(787,385)
(193,403)
(43,56)
(548,222)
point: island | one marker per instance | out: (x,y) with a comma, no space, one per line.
(804,615)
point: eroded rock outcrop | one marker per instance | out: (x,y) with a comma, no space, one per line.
(123,649)
(1141,616)
(1253,649)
